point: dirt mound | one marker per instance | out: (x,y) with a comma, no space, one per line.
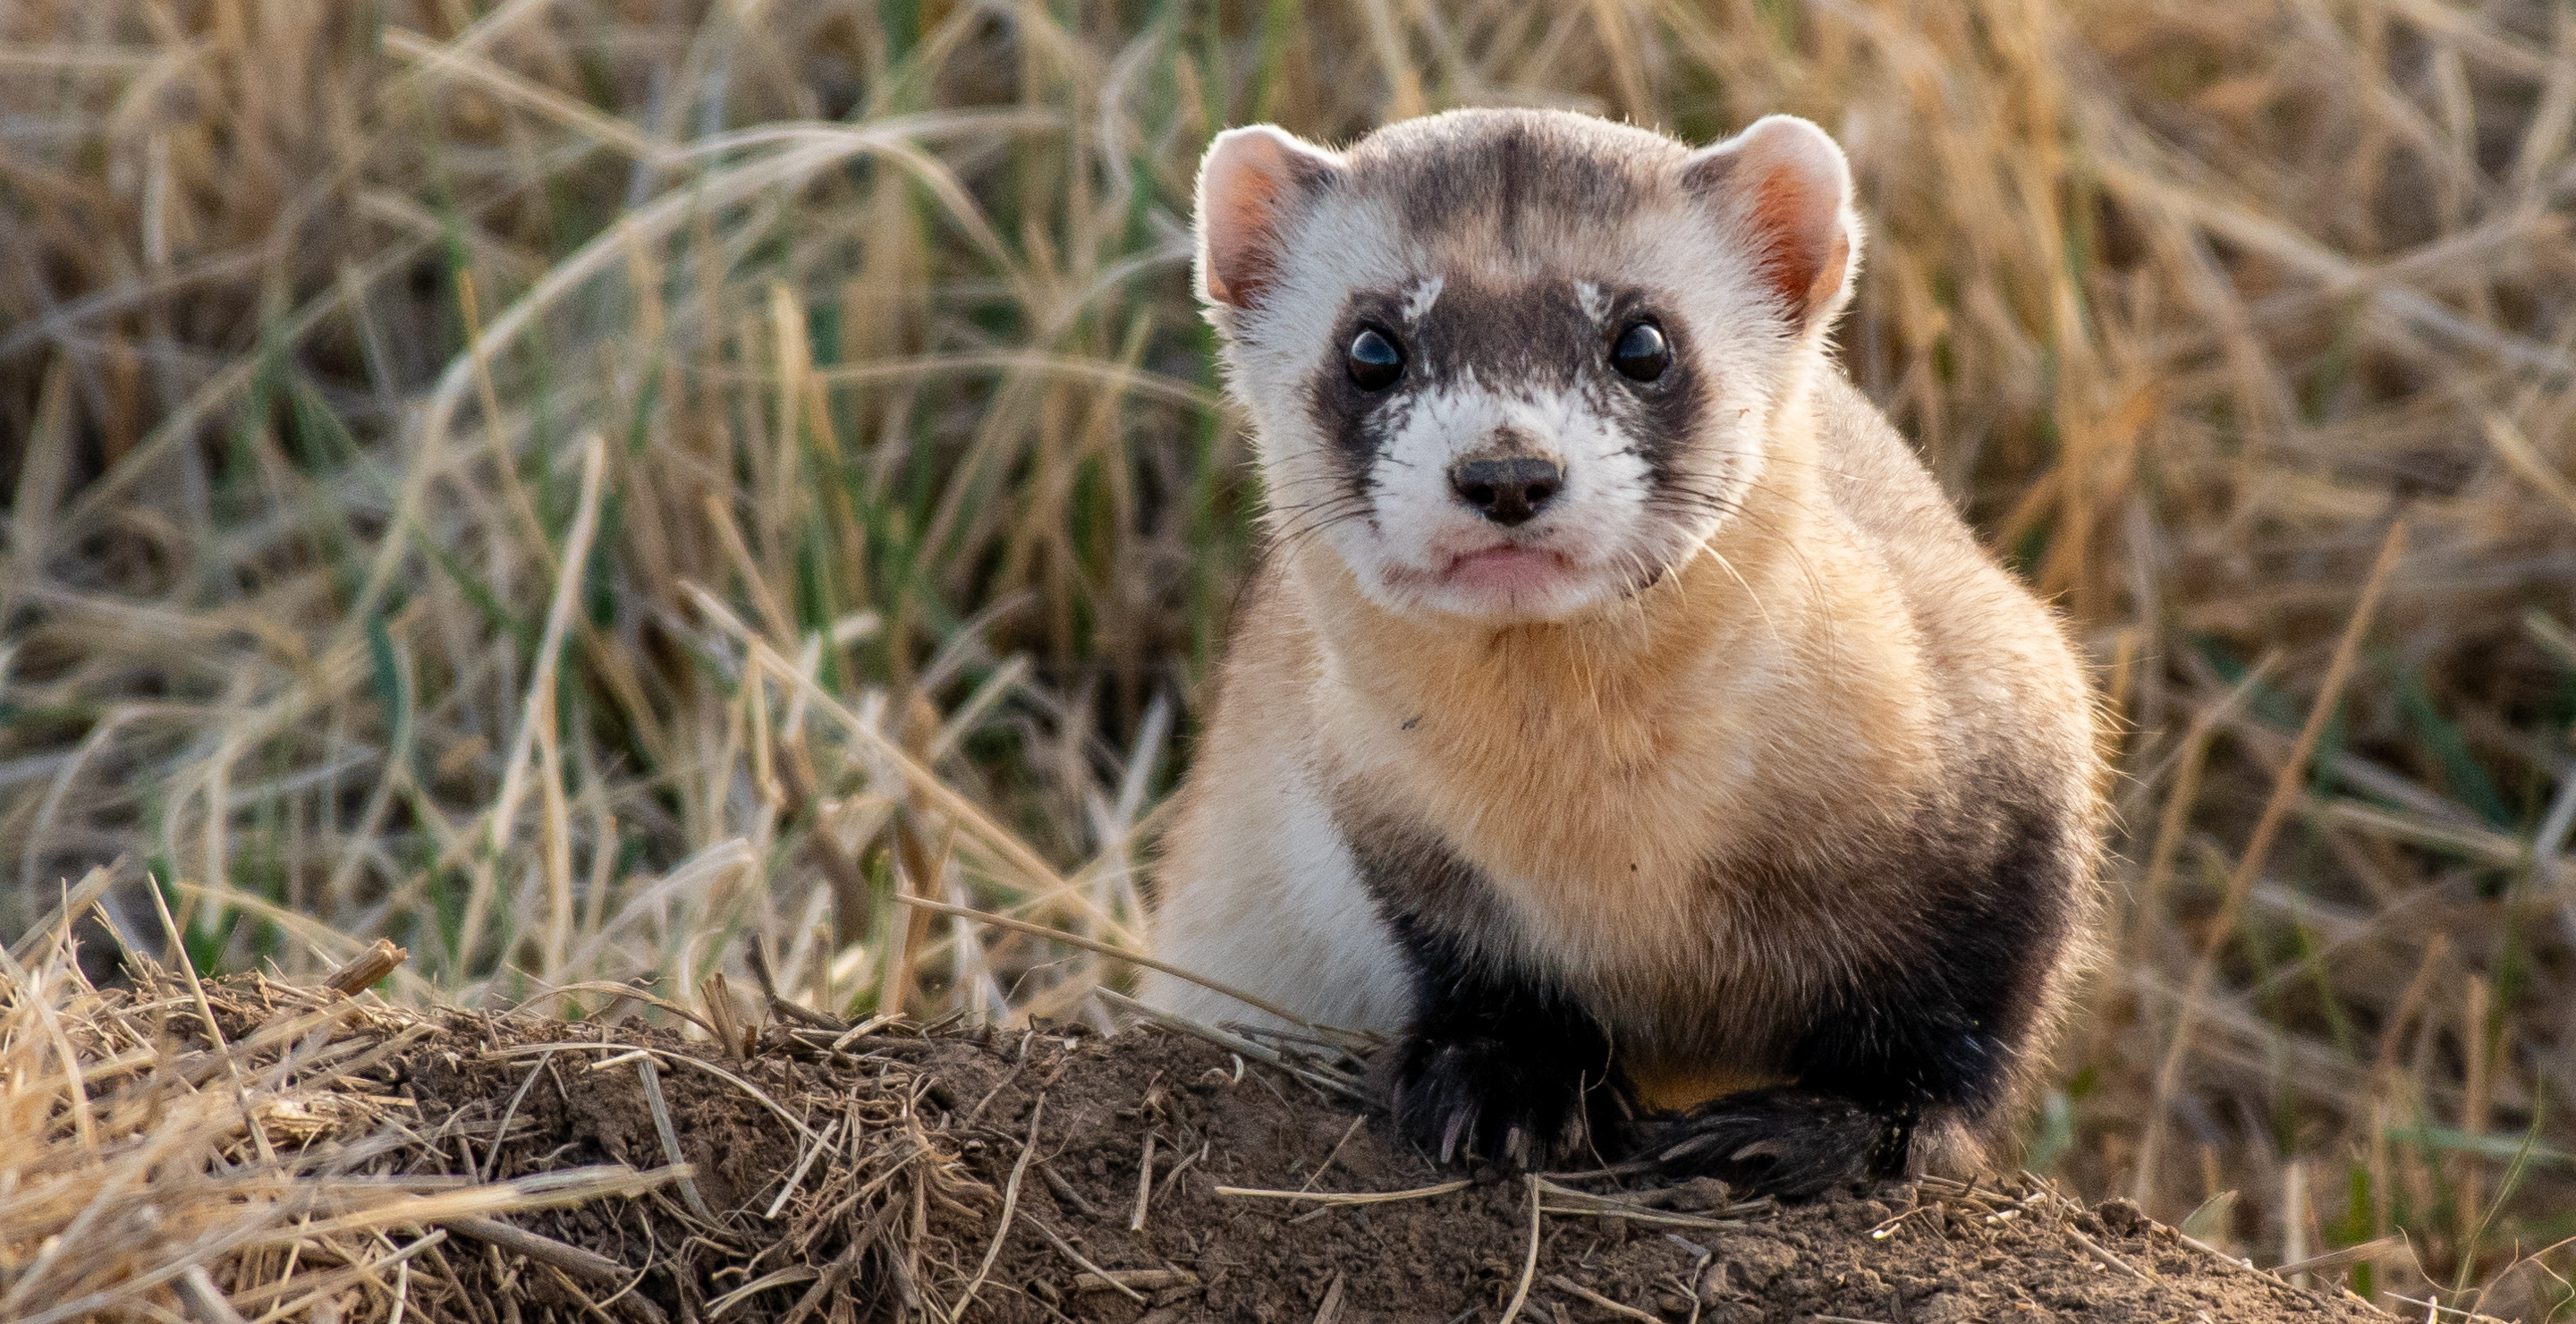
(889,1173)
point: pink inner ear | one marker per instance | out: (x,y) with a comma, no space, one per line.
(1252,178)
(1802,249)
(1240,262)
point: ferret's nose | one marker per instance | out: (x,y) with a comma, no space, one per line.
(1507,491)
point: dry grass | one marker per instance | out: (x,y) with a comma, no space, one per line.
(282,1152)
(568,485)
(155,1129)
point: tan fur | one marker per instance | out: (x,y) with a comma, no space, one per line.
(1788,675)
(1800,689)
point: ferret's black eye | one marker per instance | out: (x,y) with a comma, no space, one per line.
(1375,363)
(1641,354)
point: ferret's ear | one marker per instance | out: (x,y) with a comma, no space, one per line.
(1784,186)
(1247,184)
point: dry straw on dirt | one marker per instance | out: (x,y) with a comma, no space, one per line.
(567,485)
(290,1152)
(222,1149)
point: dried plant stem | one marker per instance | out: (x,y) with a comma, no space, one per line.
(589,1266)
(1559,1280)
(2173,824)
(648,1054)
(1348,1197)
(537,709)
(670,1134)
(1330,1308)
(1529,1265)
(1238,1044)
(58,920)
(1005,844)
(1144,1182)
(2095,1249)
(501,1132)
(2343,1258)
(2258,849)
(1151,1280)
(205,1300)
(1083,1262)
(1064,1191)
(1334,1153)
(804,1164)
(1010,1206)
(1104,949)
(367,968)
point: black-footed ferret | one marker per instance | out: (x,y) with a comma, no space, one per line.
(1620,714)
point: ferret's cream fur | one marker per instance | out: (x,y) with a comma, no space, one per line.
(1694,767)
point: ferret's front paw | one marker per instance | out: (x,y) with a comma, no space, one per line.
(1493,1099)
(1783,1142)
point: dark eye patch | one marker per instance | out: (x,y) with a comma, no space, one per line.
(1536,337)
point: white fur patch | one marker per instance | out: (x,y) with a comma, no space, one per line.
(1421,297)
(1422,526)
(1595,300)
(1293,924)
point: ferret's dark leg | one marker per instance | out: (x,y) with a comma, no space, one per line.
(1788,1142)
(1497,1065)
(1935,1032)
(1499,1062)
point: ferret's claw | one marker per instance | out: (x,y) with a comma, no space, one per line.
(1481,1098)
(1457,1127)
(1787,1143)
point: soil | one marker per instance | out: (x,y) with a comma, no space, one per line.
(936,1140)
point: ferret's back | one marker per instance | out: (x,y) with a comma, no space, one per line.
(1874,476)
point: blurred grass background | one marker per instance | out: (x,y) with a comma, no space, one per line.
(581,487)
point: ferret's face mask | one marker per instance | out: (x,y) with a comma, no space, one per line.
(1515,366)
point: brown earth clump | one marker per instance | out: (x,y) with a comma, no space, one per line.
(808,1172)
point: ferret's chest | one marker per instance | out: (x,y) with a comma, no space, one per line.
(1671,868)
(1572,792)
(1580,849)
(1696,970)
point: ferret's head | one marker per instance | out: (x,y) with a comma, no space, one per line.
(1516,364)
